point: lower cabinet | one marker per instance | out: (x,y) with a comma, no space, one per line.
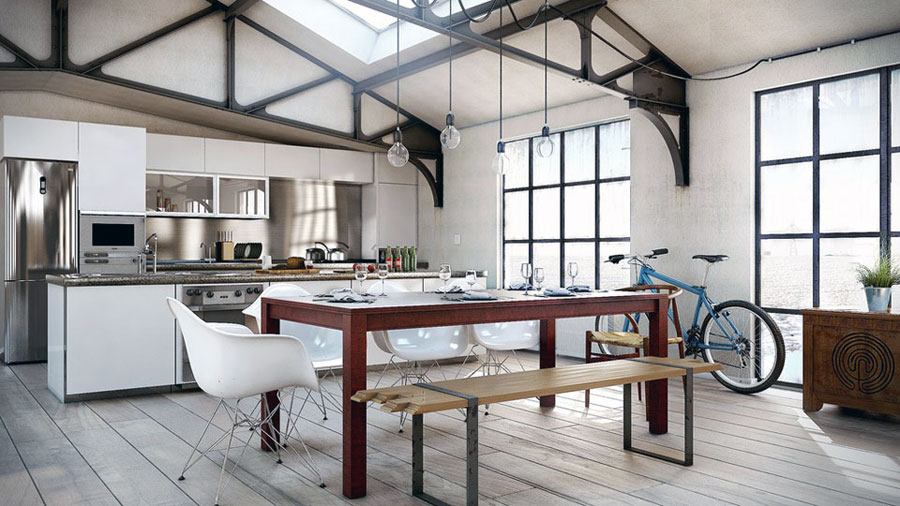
(107,338)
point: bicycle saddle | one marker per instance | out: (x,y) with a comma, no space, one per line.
(711,258)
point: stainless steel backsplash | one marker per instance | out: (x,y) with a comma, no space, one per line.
(300,213)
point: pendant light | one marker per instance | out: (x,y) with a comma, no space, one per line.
(545,145)
(450,136)
(398,155)
(501,161)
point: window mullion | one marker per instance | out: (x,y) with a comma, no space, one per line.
(562,208)
(885,157)
(816,194)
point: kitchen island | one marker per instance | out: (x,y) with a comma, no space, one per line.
(113,334)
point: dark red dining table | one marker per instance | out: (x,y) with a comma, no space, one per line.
(417,309)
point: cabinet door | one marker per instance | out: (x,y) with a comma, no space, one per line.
(235,157)
(119,337)
(346,166)
(175,153)
(111,167)
(299,162)
(398,206)
(36,138)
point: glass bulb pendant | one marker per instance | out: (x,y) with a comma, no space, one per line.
(501,161)
(398,155)
(450,136)
(545,145)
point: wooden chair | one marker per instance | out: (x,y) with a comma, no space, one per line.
(633,340)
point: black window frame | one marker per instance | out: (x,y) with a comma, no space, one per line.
(884,151)
(597,240)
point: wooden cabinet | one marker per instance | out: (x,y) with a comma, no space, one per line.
(112,161)
(346,166)
(40,139)
(237,158)
(175,153)
(298,162)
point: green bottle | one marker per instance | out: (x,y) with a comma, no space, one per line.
(398,260)
(405,253)
(413,261)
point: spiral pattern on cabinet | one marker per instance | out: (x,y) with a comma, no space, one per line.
(863,362)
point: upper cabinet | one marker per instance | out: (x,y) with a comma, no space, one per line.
(175,153)
(111,165)
(346,166)
(299,162)
(235,157)
(40,139)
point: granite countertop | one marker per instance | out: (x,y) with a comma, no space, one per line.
(197,278)
(244,265)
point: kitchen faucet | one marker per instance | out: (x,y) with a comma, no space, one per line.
(208,250)
(155,238)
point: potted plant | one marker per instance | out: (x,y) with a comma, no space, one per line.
(877,282)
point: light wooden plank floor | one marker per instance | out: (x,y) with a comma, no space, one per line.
(760,449)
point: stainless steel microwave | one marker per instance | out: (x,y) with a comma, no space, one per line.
(111,233)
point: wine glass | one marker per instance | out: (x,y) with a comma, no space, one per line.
(526,272)
(382,275)
(361,271)
(538,277)
(572,270)
(471,278)
(445,274)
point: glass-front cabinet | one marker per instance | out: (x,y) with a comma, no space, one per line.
(206,195)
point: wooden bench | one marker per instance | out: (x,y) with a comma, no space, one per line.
(469,393)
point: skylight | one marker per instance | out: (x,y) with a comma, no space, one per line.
(375,19)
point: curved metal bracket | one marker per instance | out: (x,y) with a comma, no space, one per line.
(436,184)
(678,153)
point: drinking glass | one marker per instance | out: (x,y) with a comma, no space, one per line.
(538,277)
(361,271)
(445,274)
(572,270)
(471,278)
(526,272)
(382,275)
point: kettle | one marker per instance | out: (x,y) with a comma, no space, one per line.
(316,254)
(338,253)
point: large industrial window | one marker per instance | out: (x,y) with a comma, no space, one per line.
(571,207)
(824,159)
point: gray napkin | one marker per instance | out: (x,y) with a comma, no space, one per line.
(557,292)
(349,296)
(521,285)
(475,295)
(578,288)
(449,289)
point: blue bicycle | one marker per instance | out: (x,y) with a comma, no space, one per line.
(736,334)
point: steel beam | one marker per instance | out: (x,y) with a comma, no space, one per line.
(239,7)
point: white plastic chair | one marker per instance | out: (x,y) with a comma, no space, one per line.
(325,346)
(232,363)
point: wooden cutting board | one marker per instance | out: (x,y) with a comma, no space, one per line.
(287,271)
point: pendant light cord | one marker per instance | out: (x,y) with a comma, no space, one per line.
(501,74)
(450,39)
(398,64)
(545,63)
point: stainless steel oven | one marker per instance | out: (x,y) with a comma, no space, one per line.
(219,303)
(111,244)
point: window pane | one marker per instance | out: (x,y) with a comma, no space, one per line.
(786,273)
(839,257)
(848,114)
(849,199)
(615,149)
(546,255)
(514,255)
(515,215)
(786,124)
(546,170)
(895,105)
(580,155)
(580,203)
(895,191)
(791,327)
(618,275)
(581,253)
(517,175)
(546,214)
(786,198)
(614,211)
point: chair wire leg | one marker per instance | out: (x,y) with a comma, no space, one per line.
(187,463)
(268,421)
(225,460)
(308,460)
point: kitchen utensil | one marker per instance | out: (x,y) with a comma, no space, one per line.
(254,250)
(338,253)
(267,262)
(316,254)
(241,250)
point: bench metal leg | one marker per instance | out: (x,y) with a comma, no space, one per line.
(418,473)
(688,424)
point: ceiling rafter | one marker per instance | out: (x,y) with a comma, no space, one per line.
(239,7)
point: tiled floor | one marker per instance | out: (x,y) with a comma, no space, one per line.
(760,449)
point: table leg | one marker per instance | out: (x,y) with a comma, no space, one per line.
(354,412)
(658,391)
(548,354)
(270,401)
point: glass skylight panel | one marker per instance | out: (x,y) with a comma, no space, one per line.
(377,20)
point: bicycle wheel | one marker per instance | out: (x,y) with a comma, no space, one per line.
(755,356)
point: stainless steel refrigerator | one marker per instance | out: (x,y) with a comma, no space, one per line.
(39,238)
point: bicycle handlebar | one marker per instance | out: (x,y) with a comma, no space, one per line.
(614,259)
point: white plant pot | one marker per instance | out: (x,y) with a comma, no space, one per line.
(878,298)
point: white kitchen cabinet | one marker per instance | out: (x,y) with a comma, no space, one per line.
(40,139)
(397,210)
(112,161)
(175,153)
(346,166)
(115,338)
(298,162)
(237,158)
